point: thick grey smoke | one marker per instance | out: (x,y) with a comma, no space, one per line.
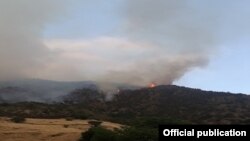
(167,37)
(181,34)
(159,41)
(22,52)
(177,25)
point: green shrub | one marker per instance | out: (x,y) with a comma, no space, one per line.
(69,118)
(95,123)
(137,134)
(18,119)
(125,134)
(154,122)
(98,134)
(79,115)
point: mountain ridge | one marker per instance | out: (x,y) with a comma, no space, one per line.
(170,102)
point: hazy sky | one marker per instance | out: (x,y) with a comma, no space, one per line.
(195,43)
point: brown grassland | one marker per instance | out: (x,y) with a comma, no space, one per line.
(46,129)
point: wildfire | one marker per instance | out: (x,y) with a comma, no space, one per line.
(152,85)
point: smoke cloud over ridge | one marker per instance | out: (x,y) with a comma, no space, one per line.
(22,51)
(159,41)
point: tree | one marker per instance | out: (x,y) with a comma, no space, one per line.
(137,134)
(98,134)
(95,123)
(18,119)
(125,134)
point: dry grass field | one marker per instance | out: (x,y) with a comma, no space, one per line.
(45,129)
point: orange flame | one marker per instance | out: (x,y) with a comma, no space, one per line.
(152,85)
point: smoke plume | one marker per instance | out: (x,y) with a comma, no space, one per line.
(181,37)
(22,51)
(158,40)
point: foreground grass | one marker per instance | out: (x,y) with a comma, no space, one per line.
(46,129)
